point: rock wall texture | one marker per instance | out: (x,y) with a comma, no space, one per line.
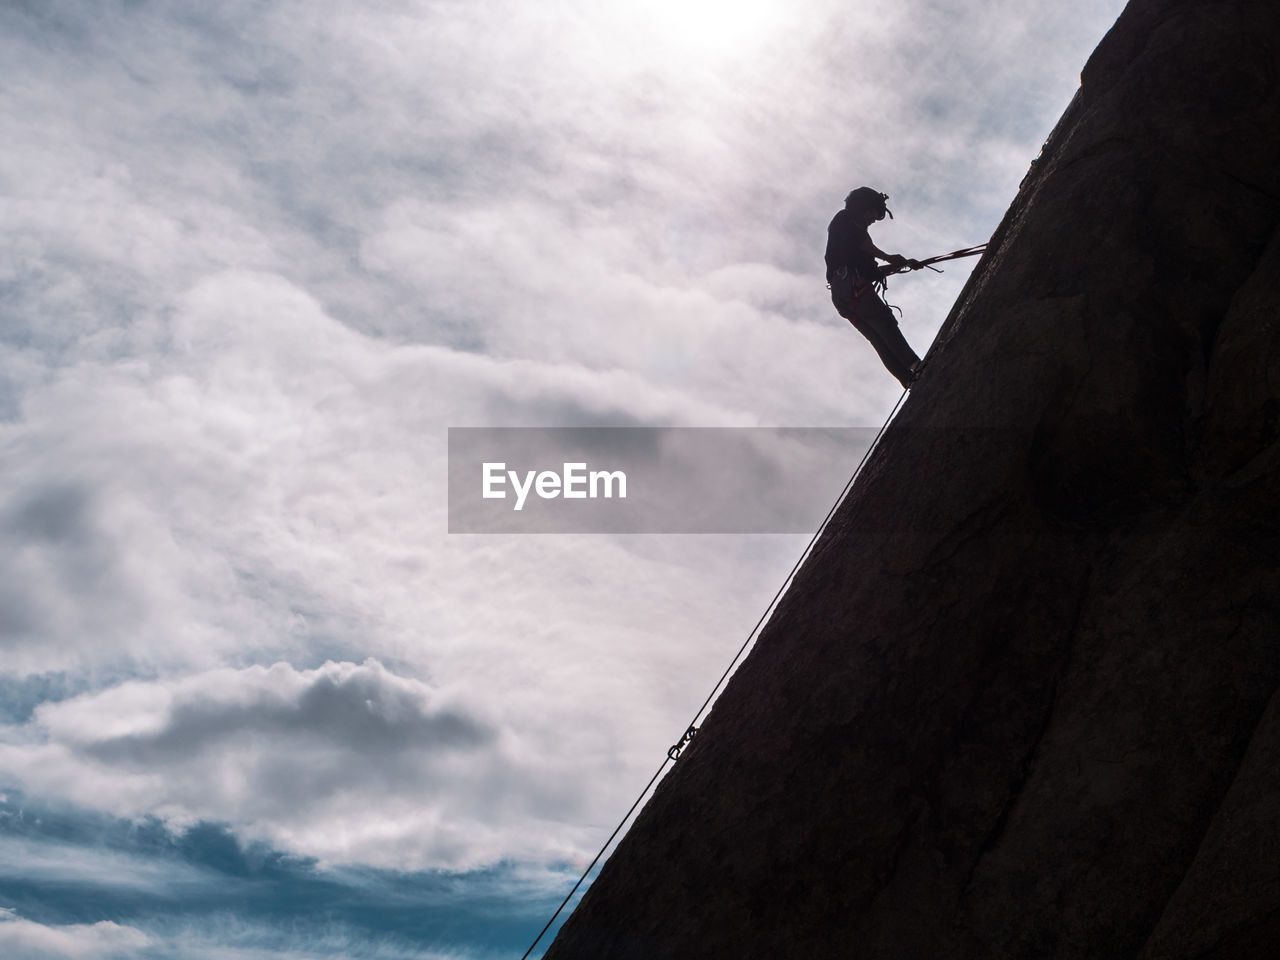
(1021,700)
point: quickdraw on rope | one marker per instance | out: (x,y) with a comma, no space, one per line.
(674,752)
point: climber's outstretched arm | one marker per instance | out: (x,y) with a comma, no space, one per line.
(896,261)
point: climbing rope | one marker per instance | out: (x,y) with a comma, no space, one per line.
(953,255)
(881,285)
(674,752)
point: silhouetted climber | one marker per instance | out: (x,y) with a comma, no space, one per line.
(852,273)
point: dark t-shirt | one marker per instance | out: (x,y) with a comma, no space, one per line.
(845,238)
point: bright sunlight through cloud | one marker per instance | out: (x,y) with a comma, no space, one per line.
(712,29)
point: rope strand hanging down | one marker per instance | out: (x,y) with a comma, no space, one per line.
(673,754)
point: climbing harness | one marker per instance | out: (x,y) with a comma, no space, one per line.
(859,284)
(691,731)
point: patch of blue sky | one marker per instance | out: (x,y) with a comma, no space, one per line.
(204,889)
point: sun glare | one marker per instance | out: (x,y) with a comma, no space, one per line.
(708,28)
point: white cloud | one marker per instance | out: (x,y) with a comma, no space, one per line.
(260,257)
(269,483)
(343,762)
(22,939)
(264,476)
(220,937)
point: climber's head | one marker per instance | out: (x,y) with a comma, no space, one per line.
(867,201)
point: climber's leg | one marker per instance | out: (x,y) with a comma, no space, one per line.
(875,321)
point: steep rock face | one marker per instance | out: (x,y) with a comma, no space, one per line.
(1021,700)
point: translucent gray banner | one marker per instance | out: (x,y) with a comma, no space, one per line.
(648,479)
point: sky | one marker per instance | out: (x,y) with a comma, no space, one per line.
(255,700)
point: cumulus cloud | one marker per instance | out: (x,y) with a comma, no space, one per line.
(363,708)
(346,761)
